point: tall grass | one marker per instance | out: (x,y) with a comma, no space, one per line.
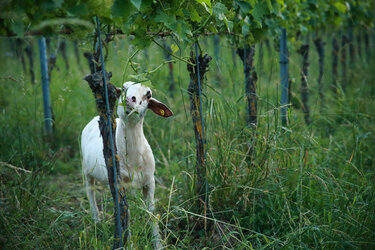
(296,187)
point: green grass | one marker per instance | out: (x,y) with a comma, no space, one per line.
(295,187)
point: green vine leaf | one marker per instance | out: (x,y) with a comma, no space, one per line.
(269,5)
(260,9)
(180,13)
(137,3)
(79,9)
(340,7)
(18,27)
(195,16)
(219,10)
(206,4)
(166,20)
(245,7)
(51,5)
(121,8)
(245,29)
(174,48)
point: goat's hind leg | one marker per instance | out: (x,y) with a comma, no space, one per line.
(90,183)
(148,193)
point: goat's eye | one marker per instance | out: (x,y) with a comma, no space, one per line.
(148,94)
(134,99)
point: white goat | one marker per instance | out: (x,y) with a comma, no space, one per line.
(137,164)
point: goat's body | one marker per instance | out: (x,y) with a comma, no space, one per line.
(137,163)
(93,163)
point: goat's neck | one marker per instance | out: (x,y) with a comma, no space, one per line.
(132,130)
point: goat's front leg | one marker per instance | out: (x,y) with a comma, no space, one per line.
(90,182)
(148,193)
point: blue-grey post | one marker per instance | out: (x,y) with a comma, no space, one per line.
(45,85)
(216,47)
(284,77)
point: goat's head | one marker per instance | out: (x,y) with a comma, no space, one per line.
(137,98)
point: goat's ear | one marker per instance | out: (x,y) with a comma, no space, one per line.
(159,108)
